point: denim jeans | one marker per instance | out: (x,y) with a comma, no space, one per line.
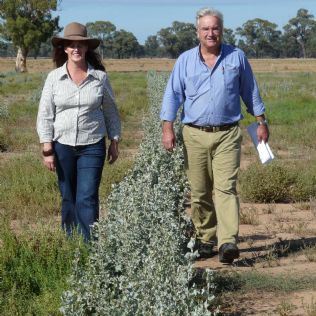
(79,170)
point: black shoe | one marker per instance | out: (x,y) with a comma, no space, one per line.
(228,252)
(204,249)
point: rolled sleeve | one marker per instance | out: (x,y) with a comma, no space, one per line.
(110,111)
(46,113)
(174,94)
(249,90)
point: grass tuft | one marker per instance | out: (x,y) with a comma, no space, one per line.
(34,263)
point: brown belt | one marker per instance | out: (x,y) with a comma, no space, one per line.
(213,129)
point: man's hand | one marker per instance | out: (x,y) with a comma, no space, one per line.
(168,136)
(113,152)
(263,133)
(262,129)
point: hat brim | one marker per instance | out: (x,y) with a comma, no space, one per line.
(92,43)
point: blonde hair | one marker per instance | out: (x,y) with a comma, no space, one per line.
(212,12)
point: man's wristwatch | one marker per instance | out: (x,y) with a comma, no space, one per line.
(262,122)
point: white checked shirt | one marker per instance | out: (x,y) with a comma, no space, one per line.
(77,115)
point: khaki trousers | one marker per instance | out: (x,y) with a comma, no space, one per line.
(212,162)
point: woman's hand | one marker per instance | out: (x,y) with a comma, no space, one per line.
(113,152)
(49,162)
(49,156)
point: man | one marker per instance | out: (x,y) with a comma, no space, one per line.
(209,80)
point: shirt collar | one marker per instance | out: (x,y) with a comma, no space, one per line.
(201,56)
(90,72)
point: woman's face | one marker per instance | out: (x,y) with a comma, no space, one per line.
(76,50)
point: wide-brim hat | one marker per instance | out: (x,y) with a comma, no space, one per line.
(75,32)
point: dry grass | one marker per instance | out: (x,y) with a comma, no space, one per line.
(166,64)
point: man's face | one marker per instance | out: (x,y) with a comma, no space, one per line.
(209,32)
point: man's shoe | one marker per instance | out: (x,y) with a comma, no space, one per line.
(204,249)
(228,252)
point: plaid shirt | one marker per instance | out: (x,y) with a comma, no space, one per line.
(77,115)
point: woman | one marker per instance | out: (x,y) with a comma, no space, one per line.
(76,111)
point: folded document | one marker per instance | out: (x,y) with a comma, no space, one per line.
(264,151)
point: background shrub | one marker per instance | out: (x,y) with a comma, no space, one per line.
(277,182)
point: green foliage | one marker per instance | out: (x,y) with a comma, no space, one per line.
(34,264)
(28,23)
(290,101)
(301,29)
(259,38)
(177,38)
(104,31)
(265,183)
(229,37)
(137,265)
(27,188)
(125,45)
(152,47)
(277,182)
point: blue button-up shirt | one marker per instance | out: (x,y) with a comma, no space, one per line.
(211,96)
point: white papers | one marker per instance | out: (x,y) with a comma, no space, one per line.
(264,151)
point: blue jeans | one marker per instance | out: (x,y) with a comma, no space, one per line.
(79,170)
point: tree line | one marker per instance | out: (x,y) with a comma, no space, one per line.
(27,26)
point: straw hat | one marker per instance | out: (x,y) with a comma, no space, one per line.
(75,32)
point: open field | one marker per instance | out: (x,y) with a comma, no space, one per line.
(165,64)
(277,265)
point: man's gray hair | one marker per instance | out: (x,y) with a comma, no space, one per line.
(211,12)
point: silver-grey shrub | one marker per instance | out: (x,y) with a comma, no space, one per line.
(137,264)
(4,110)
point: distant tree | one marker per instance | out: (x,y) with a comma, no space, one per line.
(27,24)
(311,44)
(229,37)
(177,38)
(104,31)
(260,38)
(125,45)
(152,47)
(290,46)
(302,29)
(45,50)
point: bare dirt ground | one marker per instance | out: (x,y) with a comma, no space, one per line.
(271,245)
(166,64)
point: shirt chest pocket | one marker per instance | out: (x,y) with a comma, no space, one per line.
(195,85)
(231,78)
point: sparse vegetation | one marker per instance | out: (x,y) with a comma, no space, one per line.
(28,193)
(249,216)
(34,262)
(278,182)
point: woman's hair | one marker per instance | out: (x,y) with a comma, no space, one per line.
(212,12)
(92,57)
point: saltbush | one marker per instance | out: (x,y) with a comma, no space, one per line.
(137,264)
